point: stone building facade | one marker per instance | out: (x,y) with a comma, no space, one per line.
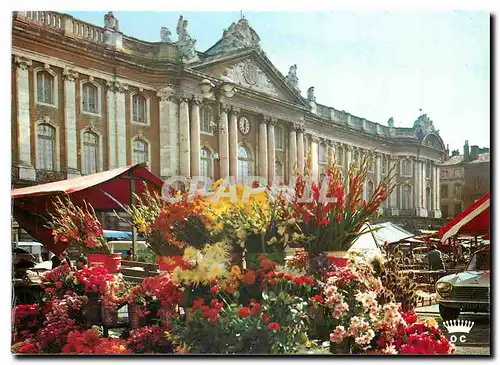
(87,98)
(464,178)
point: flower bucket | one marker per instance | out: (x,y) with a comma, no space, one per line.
(92,309)
(110,316)
(97,259)
(113,263)
(339,258)
(133,316)
(169,263)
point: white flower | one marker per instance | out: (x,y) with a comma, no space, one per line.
(390,349)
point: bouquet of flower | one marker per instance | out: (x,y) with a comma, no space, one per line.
(329,216)
(90,342)
(27,320)
(73,224)
(149,340)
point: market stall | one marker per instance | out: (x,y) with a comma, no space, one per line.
(104,191)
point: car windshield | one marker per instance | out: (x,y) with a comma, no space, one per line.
(480,261)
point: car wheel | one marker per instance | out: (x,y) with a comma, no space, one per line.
(448,313)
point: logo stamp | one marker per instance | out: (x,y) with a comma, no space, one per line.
(458,326)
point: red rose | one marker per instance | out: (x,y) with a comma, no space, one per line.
(273,326)
(214,289)
(58,284)
(256,308)
(244,312)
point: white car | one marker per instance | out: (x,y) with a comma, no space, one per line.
(468,291)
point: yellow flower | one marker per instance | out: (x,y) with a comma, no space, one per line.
(430,322)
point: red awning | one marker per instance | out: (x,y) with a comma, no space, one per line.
(32,205)
(472,221)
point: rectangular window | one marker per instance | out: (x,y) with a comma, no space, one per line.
(383,165)
(206,120)
(45,87)
(406,167)
(322,153)
(340,156)
(444,191)
(278,138)
(90,98)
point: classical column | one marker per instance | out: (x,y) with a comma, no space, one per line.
(263,148)
(314,155)
(423,194)
(348,155)
(111,125)
(393,202)
(300,149)
(378,159)
(224,143)
(271,162)
(169,120)
(195,135)
(417,201)
(184,144)
(70,123)
(26,169)
(233,142)
(437,209)
(121,125)
(117,125)
(295,148)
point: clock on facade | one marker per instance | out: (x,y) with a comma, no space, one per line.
(244,125)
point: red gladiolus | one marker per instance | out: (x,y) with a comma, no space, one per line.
(264,317)
(273,326)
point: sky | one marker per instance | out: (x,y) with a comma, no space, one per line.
(374,65)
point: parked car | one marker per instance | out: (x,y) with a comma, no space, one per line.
(468,291)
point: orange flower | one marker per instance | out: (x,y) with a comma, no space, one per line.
(249,277)
(244,312)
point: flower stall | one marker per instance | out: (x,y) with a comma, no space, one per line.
(243,270)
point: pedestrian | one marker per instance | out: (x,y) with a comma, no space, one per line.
(129,255)
(81,263)
(57,260)
(435,258)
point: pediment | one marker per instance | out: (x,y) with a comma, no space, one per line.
(255,74)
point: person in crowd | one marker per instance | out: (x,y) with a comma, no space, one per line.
(435,258)
(129,255)
(81,263)
(57,260)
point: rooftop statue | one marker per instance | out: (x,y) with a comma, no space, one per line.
(111,22)
(165,34)
(185,43)
(292,78)
(310,94)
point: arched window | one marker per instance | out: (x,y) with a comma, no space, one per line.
(457,190)
(428,198)
(406,197)
(369,189)
(89,98)
(138,108)
(206,120)
(278,137)
(46,140)
(90,153)
(278,169)
(340,156)
(45,88)
(139,151)
(243,164)
(406,167)
(205,162)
